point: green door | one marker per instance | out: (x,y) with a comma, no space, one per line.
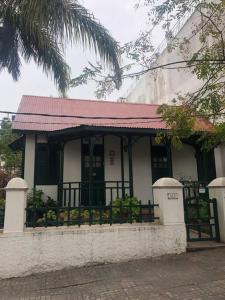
(161,162)
(206,165)
(93,186)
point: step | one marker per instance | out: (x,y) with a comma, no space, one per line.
(203,245)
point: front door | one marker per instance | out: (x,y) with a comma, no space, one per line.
(92,185)
(161,162)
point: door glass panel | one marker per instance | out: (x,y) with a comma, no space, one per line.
(160,163)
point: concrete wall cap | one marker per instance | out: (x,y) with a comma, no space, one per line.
(218,182)
(167,182)
(17,184)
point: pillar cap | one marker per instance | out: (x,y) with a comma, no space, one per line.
(218,182)
(167,182)
(17,184)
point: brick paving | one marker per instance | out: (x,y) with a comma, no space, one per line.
(191,276)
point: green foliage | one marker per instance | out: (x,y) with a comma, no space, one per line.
(35,199)
(2,203)
(125,207)
(40,30)
(207,64)
(180,121)
(51,215)
(10,158)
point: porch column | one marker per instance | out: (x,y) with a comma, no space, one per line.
(130,159)
(90,194)
(122,166)
(169,157)
(61,170)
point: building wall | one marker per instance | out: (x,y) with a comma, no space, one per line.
(220,160)
(162,85)
(29,160)
(142,170)
(184,163)
(72,161)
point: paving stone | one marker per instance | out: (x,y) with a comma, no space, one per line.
(191,276)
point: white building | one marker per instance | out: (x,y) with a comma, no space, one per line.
(163,85)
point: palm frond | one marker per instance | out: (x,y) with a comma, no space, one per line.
(9,56)
(60,21)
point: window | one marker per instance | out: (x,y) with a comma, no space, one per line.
(47,164)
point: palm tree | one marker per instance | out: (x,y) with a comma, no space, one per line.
(40,30)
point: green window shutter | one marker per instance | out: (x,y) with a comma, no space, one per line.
(47,164)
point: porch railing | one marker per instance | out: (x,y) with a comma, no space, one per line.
(91,215)
(77,193)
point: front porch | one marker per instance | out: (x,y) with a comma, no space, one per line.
(93,167)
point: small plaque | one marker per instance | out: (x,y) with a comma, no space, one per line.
(172,196)
(201,191)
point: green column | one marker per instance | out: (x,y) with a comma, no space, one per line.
(169,157)
(90,194)
(61,170)
(130,159)
(122,166)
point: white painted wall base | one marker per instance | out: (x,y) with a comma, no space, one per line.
(36,251)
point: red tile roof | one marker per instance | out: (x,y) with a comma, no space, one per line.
(84,108)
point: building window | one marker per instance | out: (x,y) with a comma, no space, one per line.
(47,164)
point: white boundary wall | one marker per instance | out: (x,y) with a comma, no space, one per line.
(37,251)
(28,251)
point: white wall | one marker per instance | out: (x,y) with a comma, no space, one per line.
(142,170)
(184,163)
(162,85)
(49,191)
(72,161)
(29,160)
(36,251)
(220,160)
(141,166)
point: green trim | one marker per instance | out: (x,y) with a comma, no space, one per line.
(122,166)
(102,129)
(130,160)
(23,161)
(35,162)
(169,156)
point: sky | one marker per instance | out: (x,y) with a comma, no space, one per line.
(118,16)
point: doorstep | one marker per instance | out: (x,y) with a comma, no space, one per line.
(203,245)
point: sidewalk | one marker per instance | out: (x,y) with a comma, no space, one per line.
(197,275)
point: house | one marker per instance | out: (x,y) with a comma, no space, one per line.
(92,152)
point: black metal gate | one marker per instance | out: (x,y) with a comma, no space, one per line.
(201,215)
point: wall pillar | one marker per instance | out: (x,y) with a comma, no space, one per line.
(15,209)
(168,194)
(217,191)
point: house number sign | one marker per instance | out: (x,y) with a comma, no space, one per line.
(172,196)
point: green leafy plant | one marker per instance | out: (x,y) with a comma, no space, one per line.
(123,208)
(51,215)
(35,199)
(2,203)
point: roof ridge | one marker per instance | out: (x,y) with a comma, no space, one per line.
(94,100)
